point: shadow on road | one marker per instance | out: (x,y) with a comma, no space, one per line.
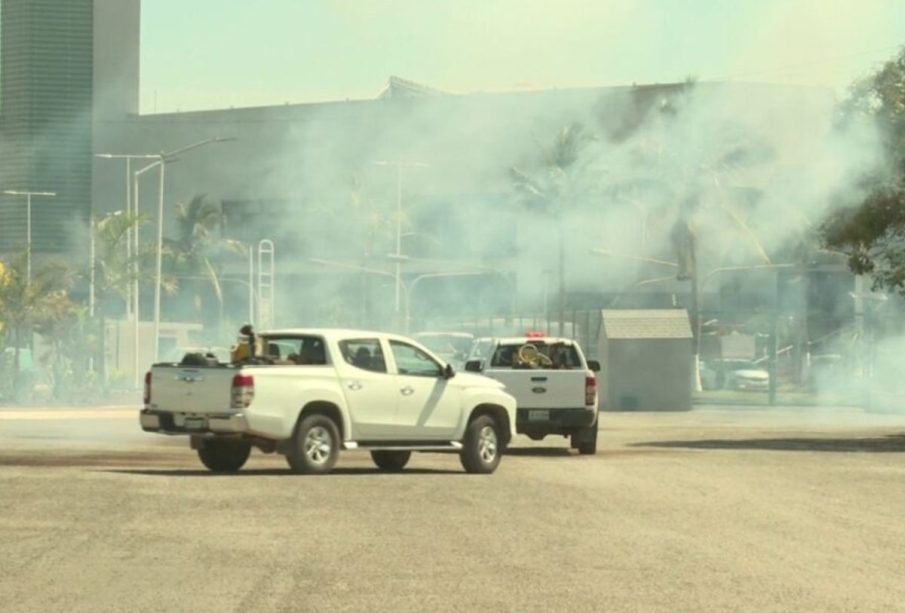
(894,443)
(546,452)
(275,472)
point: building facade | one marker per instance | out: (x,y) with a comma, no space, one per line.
(66,66)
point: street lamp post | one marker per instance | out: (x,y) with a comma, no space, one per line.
(28,194)
(131,234)
(410,288)
(431,275)
(162,160)
(132,247)
(397,256)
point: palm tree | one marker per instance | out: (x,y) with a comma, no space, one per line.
(558,184)
(194,254)
(25,304)
(116,268)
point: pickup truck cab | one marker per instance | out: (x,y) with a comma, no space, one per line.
(312,392)
(554,385)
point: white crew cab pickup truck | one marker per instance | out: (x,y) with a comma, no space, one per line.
(553,383)
(312,392)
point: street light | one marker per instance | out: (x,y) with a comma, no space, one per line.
(431,275)
(162,160)
(410,288)
(397,256)
(132,247)
(131,237)
(28,195)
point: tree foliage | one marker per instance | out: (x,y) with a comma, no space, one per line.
(871,232)
(28,304)
(194,253)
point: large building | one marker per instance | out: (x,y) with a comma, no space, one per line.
(64,66)
(307,175)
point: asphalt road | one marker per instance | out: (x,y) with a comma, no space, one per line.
(712,510)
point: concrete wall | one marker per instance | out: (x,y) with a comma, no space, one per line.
(647,374)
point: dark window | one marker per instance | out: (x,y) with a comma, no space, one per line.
(364,353)
(302,350)
(536,354)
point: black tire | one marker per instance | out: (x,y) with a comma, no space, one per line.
(536,436)
(315,446)
(482,446)
(391,461)
(585,440)
(224,456)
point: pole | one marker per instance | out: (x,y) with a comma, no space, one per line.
(129,233)
(562,280)
(136,317)
(28,239)
(159,266)
(696,327)
(28,246)
(132,249)
(251,285)
(398,234)
(774,328)
(92,263)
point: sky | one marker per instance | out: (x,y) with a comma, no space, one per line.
(236,53)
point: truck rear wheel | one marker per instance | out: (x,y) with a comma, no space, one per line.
(315,446)
(224,456)
(585,440)
(481,447)
(391,461)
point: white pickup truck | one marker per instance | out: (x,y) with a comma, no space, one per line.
(553,383)
(312,392)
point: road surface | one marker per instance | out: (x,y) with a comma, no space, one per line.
(713,510)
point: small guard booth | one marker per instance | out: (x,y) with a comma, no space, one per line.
(647,359)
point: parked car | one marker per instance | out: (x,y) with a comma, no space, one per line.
(734,374)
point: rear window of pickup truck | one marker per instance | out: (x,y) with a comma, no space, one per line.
(536,354)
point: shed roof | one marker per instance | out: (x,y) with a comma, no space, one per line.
(646,323)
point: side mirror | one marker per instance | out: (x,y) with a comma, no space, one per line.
(474,365)
(594,365)
(449,372)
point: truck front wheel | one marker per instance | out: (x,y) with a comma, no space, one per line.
(481,446)
(224,456)
(315,446)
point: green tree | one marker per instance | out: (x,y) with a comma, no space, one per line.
(195,253)
(116,268)
(27,304)
(871,231)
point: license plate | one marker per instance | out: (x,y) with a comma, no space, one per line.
(538,415)
(194,423)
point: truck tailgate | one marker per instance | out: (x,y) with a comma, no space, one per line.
(543,389)
(191,389)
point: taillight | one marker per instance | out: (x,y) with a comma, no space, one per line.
(243,391)
(590,390)
(148,387)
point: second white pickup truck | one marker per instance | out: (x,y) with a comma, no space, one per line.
(554,385)
(312,392)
